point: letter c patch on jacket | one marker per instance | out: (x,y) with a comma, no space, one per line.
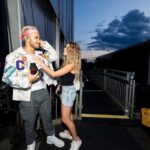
(20,65)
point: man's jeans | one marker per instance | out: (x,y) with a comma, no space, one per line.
(40,103)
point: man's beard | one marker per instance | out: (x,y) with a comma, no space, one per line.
(33,45)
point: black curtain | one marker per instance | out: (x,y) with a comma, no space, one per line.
(40,14)
(4,47)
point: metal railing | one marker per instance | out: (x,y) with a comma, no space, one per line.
(120,85)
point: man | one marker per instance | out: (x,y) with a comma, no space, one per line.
(30,89)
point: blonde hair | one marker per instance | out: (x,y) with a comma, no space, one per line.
(24,35)
(73,56)
(25,28)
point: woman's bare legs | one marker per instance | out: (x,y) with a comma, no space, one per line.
(67,119)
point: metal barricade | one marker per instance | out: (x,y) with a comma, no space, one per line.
(6,103)
(120,85)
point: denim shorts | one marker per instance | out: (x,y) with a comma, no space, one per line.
(68,95)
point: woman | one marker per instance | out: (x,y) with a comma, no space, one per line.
(70,69)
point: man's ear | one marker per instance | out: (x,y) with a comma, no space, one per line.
(26,38)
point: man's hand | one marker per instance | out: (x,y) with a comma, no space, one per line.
(33,78)
(42,43)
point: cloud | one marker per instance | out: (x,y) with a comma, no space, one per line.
(92,54)
(132,28)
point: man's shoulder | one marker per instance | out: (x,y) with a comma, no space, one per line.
(14,53)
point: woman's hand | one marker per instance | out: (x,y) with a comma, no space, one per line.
(37,59)
(58,89)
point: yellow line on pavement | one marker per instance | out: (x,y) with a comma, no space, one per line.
(104,116)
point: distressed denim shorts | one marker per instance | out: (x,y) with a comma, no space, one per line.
(68,95)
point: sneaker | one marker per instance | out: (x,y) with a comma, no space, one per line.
(75,145)
(65,134)
(54,140)
(31,146)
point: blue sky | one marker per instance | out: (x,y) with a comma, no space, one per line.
(111,24)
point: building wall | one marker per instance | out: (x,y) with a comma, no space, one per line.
(53,18)
(64,10)
(46,15)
